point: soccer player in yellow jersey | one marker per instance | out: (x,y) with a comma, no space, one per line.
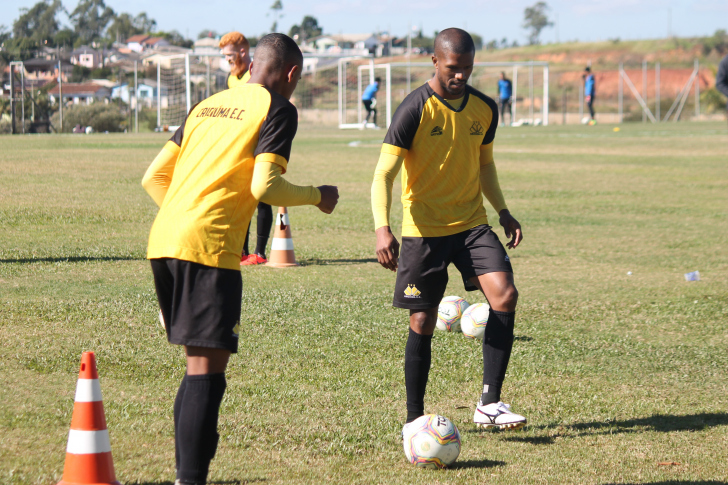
(236,49)
(443,134)
(229,153)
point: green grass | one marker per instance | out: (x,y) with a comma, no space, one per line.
(616,372)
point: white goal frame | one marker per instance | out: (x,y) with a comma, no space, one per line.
(513,66)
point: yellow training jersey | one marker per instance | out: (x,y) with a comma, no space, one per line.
(233,81)
(441,191)
(206,210)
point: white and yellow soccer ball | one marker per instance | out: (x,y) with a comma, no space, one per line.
(474,320)
(431,441)
(449,313)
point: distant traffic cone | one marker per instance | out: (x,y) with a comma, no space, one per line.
(281,250)
(88,454)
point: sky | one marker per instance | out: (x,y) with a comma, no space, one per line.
(583,20)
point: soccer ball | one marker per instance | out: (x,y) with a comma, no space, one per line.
(449,312)
(474,320)
(585,120)
(431,441)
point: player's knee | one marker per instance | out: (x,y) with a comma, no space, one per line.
(423,322)
(508,298)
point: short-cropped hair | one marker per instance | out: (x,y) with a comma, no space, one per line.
(278,51)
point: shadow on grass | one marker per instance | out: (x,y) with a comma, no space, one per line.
(334,262)
(663,423)
(522,338)
(476,464)
(225,482)
(675,482)
(73,259)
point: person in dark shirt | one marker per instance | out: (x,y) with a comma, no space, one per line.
(721,79)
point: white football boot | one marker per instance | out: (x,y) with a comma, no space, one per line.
(497,415)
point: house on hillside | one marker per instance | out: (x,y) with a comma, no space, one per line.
(47,69)
(207,45)
(146,93)
(87,57)
(136,42)
(80,93)
(155,43)
(350,44)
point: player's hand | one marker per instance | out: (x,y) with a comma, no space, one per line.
(329,198)
(512,228)
(387,248)
(587,99)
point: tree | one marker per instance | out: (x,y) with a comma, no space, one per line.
(477,40)
(39,23)
(90,18)
(308,29)
(124,26)
(276,9)
(535,20)
(208,33)
(65,37)
(175,38)
(4,34)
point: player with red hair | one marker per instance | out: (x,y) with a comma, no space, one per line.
(236,49)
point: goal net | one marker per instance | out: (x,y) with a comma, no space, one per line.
(530,97)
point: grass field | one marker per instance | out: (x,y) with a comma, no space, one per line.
(619,363)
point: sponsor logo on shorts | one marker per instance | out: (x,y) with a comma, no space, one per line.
(507,258)
(412,292)
(477,128)
(436,131)
(236,330)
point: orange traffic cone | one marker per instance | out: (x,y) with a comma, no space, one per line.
(88,454)
(281,250)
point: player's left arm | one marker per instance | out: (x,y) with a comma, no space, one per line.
(491,189)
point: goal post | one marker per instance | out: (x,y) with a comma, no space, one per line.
(530,81)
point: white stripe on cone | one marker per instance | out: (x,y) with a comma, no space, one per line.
(280,244)
(87,442)
(88,390)
(282,218)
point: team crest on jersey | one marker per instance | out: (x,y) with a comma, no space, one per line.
(436,131)
(477,128)
(412,292)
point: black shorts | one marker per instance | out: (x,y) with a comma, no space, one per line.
(422,273)
(200,304)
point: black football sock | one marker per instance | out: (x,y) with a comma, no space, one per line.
(497,345)
(417,361)
(265,222)
(197,427)
(245,244)
(177,408)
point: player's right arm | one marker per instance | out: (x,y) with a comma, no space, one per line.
(158,177)
(396,144)
(387,169)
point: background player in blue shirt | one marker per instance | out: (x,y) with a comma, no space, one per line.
(369,99)
(505,91)
(589,91)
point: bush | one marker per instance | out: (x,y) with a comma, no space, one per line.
(99,116)
(712,101)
